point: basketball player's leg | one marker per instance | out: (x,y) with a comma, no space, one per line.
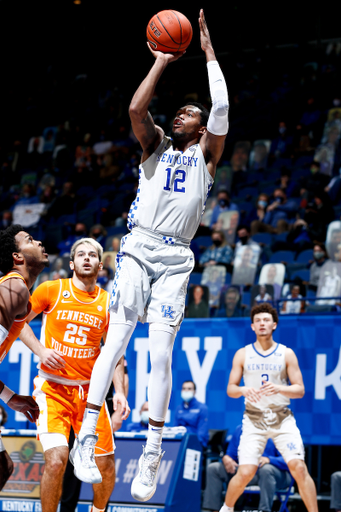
(161,341)
(251,447)
(56,458)
(288,442)
(102,491)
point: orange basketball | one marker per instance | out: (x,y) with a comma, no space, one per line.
(169,32)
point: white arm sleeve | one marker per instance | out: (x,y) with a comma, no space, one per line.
(218,123)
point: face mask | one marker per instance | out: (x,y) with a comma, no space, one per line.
(262,204)
(102,281)
(216,242)
(187,395)
(80,233)
(279,199)
(318,255)
(96,235)
(243,239)
(282,130)
(144,418)
(223,202)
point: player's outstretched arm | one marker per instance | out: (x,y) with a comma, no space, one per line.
(148,134)
(213,141)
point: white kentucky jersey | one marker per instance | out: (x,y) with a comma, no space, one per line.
(259,368)
(172,191)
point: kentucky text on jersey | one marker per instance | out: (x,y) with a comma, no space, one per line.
(264,367)
(177,159)
(80,317)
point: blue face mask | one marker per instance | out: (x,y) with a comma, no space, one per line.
(187,395)
(102,281)
(262,203)
(144,418)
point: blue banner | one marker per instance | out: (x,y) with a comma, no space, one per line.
(203,352)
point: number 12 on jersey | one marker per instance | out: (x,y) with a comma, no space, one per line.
(180,178)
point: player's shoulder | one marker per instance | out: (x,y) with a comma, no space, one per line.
(48,286)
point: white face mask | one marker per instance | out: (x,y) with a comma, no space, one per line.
(187,395)
(144,418)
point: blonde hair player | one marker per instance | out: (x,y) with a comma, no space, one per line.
(75,319)
(266,368)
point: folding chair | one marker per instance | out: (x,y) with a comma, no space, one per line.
(282,494)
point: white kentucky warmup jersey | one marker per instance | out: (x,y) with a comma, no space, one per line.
(259,368)
(172,191)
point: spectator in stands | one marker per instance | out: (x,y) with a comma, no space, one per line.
(80,231)
(293,306)
(320,257)
(312,183)
(260,156)
(98,233)
(230,304)
(64,203)
(198,306)
(335,495)
(219,253)
(279,214)
(273,474)
(258,212)
(281,146)
(6,220)
(104,280)
(191,413)
(28,195)
(287,184)
(224,205)
(263,295)
(239,162)
(144,420)
(244,237)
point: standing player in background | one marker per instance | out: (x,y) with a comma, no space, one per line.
(21,260)
(155,261)
(271,377)
(75,318)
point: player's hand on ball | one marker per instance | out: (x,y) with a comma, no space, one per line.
(26,405)
(169,57)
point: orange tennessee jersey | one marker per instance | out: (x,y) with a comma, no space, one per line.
(73,324)
(18,323)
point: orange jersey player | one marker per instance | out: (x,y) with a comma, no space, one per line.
(75,319)
(21,260)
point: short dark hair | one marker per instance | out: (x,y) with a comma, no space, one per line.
(204,113)
(264,307)
(192,382)
(8,246)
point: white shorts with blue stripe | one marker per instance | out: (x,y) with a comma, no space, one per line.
(151,278)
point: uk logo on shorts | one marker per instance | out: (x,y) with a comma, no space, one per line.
(167,311)
(291,446)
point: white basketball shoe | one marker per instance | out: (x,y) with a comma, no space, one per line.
(82,456)
(143,486)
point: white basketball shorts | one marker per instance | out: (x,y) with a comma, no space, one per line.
(151,278)
(287,439)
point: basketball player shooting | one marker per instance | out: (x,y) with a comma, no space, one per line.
(272,377)
(155,260)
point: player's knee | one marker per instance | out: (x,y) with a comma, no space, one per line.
(298,469)
(106,465)
(246,472)
(56,464)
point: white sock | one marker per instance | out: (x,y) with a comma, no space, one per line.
(89,424)
(95,509)
(225,508)
(154,439)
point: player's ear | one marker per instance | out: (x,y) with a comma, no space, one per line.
(72,265)
(252,327)
(274,326)
(18,258)
(202,130)
(100,266)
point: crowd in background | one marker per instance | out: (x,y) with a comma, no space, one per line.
(270,230)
